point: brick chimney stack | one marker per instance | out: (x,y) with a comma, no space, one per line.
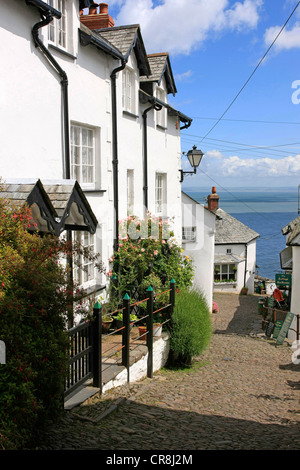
(96,20)
(213,200)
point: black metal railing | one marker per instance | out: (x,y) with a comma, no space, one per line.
(80,361)
(130,339)
(90,353)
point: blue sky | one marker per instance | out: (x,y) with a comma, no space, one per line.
(214,47)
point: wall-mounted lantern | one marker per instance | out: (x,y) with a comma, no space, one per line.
(194,157)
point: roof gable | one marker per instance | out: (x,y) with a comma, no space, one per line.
(161,67)
(56,205)
(292,231)
(127,39)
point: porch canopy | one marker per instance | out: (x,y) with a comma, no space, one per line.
(56,205)
(228,259)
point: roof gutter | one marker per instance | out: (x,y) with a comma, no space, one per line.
(47,14)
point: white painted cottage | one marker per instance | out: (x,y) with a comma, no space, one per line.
(87,133)
(198,240)
(235,251)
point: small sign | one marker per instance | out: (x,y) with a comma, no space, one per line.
(285,328)
(283,280)
(277,328)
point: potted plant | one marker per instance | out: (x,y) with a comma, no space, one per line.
(157,330)
(118,319)
(244,290)
(106,322)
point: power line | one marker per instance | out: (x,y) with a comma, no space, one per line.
(251,147)
(248,80)
(247,120)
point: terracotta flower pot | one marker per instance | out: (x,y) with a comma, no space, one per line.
(157,329)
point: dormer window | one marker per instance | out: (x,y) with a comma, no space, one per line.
(161,115)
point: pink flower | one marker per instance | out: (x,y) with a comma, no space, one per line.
(155,252)
(143,249)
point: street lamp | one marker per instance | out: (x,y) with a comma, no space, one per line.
(194,157)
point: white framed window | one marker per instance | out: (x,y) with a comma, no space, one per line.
(128,90)
(188,234)
(225,272)
(160,193)
(130,192)
(84,269)
(161,115)
(83,151)
(57,29)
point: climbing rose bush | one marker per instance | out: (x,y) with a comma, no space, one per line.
(147,247)
(35,297)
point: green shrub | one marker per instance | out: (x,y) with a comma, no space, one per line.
(147,249)
(35,297)
(191,327)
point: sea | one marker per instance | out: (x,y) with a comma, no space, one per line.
(266,211)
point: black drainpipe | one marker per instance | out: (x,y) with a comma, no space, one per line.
(157,107)
(47,13)
(47,17)
(113,77)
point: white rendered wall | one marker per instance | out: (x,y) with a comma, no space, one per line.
(202,250)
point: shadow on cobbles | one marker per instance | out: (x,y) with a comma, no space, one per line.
(136,426)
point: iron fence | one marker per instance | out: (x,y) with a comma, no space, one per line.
(92,352)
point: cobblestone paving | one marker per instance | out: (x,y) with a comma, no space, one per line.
(241,394)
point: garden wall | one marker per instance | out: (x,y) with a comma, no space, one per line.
(138,370)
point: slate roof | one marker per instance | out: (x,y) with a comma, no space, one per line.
(292,231)
(125,39)
(88,37)
(160,66)
(228,259)
(229,230)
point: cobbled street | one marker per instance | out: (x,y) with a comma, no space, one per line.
(241,394)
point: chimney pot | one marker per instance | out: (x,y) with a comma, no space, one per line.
(98,20)
(93,9)
(213,200)
(103,7)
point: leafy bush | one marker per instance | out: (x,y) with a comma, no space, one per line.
(35,296)
(147,248)
(191,327)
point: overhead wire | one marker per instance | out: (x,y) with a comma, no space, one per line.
(248,80)
(254,147)
(247,120)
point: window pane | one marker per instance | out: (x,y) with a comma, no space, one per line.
(82,154)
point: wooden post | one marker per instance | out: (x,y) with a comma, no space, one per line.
(97,346)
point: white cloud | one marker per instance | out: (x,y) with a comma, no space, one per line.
(183,76)
(288,39)
(215,163)
(180,26)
